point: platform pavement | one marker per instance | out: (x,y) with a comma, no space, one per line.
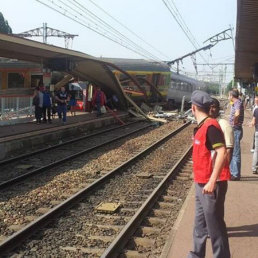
(241,213)
(23,128)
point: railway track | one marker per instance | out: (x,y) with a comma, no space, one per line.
(145,234)
(30,164)
(103,188)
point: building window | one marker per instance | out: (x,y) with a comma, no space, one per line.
(15,80)
(36,80)
(1,81)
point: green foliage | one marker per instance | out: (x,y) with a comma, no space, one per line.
(4,26)
(230,86)
(212,88)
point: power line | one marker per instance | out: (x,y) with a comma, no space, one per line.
(78,20)
(115,30)
(176,15)
(124,26)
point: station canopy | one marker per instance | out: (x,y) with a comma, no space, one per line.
(246,39)
(76,63)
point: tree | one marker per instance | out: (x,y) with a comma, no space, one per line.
(230,86)
(4,26)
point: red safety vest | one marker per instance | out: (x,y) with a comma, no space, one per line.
(204,158)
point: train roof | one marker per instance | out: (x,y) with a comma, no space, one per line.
(184,78)
(138,64)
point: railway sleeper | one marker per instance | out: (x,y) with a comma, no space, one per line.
(132,204)
(160,213)
(132,254)
(106,239)
(145,242)
(147,231)
(116,228)
(164,205)
(184,173)
(153,221)
(90,251)
(168,198)
(182,178)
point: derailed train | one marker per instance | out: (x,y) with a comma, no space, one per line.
(151,76)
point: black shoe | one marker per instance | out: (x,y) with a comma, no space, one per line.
(234,178)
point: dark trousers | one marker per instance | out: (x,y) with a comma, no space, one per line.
(62,110)
(209,220)
(38,113)
(98,106)
(46,113)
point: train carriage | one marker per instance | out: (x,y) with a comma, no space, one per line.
(153,76)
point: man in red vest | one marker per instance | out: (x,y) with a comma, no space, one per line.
(210,177)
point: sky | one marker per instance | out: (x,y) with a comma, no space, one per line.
(150,20)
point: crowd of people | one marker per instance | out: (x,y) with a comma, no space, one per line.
(44,101)
(216,159)
(47,103)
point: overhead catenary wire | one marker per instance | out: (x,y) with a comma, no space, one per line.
(124,26)
(111,28)
(105,31)
(180,21)
(96,28)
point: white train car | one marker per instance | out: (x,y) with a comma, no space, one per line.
(180,86)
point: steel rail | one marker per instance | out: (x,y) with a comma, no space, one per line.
(119,243)
(18,237)
(34,172)
(6,161)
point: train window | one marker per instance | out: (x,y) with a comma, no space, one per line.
(15,80)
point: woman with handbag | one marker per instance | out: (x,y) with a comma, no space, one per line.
(99,100)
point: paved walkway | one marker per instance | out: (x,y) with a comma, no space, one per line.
(23,128)
(241,213)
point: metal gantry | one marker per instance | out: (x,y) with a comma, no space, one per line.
(46,32)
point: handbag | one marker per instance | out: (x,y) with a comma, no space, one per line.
(103,109)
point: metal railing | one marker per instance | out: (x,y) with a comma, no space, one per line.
(15,106)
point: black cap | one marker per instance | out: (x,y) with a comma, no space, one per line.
(201,99)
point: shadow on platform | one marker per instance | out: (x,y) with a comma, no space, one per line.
(243,231)
(249,178)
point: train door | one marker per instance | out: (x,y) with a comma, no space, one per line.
(155,82)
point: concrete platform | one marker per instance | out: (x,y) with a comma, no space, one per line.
(16,138)
(241,212)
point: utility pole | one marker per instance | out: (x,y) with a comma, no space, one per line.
(214,40)
(46,32)
(180,59)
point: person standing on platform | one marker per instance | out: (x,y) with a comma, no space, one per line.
(255,124)
(99,100)
(254,108)
(210,177)
(62,98)
(72,102)
(36,103)
(47,103)
(225,127)
(236,120)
